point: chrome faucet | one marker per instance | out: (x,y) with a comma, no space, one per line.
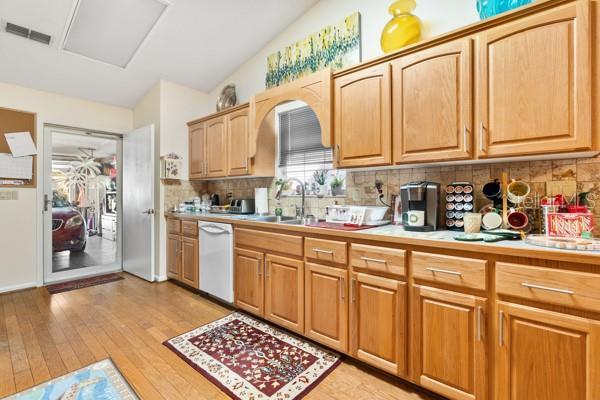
(299,210)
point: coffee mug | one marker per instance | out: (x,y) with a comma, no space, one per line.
(518,220)
(415,218)
(492,190)
(517,191)
(491,220)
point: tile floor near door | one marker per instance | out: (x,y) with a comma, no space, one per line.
(45,336)
(98,251)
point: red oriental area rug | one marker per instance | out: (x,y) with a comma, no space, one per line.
(249,359)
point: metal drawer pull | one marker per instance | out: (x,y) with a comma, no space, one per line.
(550,289)
(444,271)
(501,328)
(322,251)
(342,282)
(373,260)
(353,289)
(481,137)
(479,318)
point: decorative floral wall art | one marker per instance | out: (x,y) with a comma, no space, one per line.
(337,46)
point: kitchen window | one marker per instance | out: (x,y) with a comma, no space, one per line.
(301,152)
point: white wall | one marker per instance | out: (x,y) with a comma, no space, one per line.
(169,107)
(438,17)
(21,239)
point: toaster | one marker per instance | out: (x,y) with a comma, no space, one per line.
(241,206)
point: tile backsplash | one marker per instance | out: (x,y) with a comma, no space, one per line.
(360,185)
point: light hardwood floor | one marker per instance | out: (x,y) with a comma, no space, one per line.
(44,336)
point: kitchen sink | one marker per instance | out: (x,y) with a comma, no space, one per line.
(273,218)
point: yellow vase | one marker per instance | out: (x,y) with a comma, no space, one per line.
(403,29)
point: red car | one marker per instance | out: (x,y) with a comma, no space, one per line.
(68,227)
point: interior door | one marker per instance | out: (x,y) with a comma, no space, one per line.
(139,160)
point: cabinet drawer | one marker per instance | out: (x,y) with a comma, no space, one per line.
(567,288)
(459,271)
(274,242)
(189,228)
(379,259)
(173,225)
(326,250)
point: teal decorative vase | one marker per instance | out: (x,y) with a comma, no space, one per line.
(490,8)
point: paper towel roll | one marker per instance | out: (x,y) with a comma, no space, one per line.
(261,200)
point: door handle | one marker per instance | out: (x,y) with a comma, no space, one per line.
(479,322)
(47,202)
(501,328)
(149,211)
(342,289)
(481,129)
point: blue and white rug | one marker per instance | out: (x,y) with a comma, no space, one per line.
(98,381)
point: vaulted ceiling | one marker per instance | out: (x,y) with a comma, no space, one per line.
(196,43)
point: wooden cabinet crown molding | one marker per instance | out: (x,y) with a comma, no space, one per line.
(315,90)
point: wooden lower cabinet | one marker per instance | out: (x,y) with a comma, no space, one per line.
(449,343)
(249,284)
(190,270)
(544,355)
(182,260)
(173,259)
(378,321)
(284,292)
(326,305)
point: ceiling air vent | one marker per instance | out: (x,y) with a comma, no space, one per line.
(26,33)
(17,30)
(40,37)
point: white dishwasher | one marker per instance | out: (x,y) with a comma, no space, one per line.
(216,260)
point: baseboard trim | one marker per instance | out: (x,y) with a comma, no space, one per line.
(14,288)
(161,278)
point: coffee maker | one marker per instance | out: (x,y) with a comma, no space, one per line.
(420,196)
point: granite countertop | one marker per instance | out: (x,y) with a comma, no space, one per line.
(397,234)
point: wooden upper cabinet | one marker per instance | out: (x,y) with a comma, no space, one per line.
(449,343)
(216,147)
(432,104)
(249,283)
(362,117)
(238,136)
(190,270)
(197,144)
(534,92)
(326,305)
(546,355)
(284,292)
(378,322)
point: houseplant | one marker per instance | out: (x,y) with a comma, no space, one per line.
(320,178)
(336,185)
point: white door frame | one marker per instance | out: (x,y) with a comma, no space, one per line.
(48,275)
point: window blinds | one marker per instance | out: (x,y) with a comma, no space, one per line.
(300,139)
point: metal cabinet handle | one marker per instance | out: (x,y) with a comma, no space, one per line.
(342,284)
(337,154)
(353,289)
(322,251)
(465,136)
(479,322)
(376,260)
(444,271)
(481,128)
(549,289)
(501,328)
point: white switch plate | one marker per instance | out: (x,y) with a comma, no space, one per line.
(9,195)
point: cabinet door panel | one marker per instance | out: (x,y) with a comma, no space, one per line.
(238,131)
(173,256)
(249,286)
(378,321)
(284,292)
(362,117)
(529,104)
(189,262)
(326,306)
(196,151)
(216,147)
(449,338)
(546,355)
(432,104)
